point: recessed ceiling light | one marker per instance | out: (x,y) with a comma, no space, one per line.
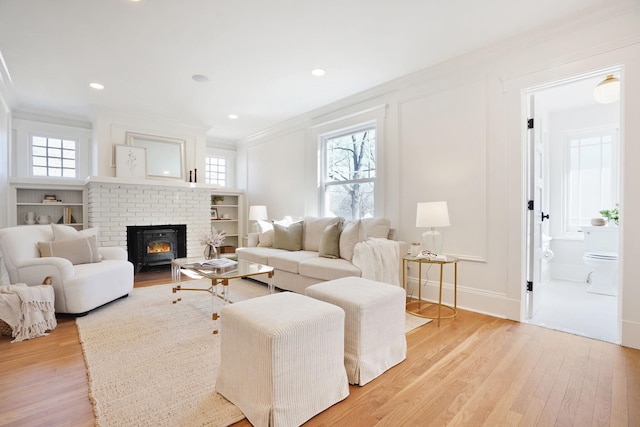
(96,86)
(200,78)
(233,116)
(318,72)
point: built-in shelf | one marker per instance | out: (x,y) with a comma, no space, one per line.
(27,196)
(226,217)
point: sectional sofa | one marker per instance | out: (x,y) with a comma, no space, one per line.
(315,250)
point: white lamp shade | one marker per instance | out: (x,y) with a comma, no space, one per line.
(258,212)
(608,90)
(432,214)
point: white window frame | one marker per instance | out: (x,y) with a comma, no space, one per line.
(229,157)
(208,174)
(613,131)
(322,170)
(48,137)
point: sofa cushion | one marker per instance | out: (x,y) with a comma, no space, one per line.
(256,254)
(79,251)
(313,228)
(290,260)
(289,238)
(330,241)
(328,269)
(352,233)
(376,227)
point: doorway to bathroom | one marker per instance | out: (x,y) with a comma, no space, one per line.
(573,174)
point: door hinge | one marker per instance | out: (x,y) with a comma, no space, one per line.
(530,124)
(530,205)
(529,286)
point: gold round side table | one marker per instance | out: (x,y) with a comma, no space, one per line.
(420,304)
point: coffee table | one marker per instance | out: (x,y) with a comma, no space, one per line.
(180,266)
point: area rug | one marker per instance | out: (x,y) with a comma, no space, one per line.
(151,362)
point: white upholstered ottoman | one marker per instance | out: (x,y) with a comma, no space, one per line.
(282,358)
(374,324)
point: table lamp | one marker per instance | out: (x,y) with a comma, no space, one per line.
(432,215)
(257,213)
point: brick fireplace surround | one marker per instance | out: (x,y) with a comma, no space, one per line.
(115,203)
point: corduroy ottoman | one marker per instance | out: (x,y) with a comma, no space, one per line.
(282,358)
(374,324)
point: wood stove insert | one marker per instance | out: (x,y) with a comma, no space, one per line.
(155,245)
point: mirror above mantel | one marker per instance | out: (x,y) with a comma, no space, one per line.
(165,156)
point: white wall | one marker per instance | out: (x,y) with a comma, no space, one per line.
(110,128)
(5,126)
(25,128)
(456,134)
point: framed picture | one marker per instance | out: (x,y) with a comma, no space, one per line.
(131,162)
(214,213)
(165,156)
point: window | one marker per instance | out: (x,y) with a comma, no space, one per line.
(53,157)
(349,172)
(591,178)
(216,171)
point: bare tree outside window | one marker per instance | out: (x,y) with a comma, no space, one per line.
(350,173)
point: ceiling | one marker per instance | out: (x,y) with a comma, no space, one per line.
(258,54)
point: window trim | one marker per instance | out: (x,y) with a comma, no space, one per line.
(48,136)
(322,162)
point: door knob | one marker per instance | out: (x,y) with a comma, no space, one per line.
(544,216)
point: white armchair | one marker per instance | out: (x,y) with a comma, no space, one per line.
(78,288)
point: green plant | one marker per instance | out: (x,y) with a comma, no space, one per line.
(215,199)
(612,215)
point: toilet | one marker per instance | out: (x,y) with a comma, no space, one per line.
(601,256)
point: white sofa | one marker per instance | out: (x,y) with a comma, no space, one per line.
(79,286)
(312,263)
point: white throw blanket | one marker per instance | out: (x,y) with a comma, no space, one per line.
(379,260)
(28,310)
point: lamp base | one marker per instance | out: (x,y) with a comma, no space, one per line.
(432,241)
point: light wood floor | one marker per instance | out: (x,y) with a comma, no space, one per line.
(474,370)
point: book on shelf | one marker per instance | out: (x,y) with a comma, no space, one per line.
(66,216)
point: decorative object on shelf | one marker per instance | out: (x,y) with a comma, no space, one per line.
(217,200)
(131,162)
(195,175)
(30,218)
(214,213)
(211,242)
(612,215)
(257,213)
(43,219)
(432,215)
(190,176)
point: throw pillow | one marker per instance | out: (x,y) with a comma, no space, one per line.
(313,227)
(289,238)
(330,241)
(66,232)
(79,251)
(352,233)
(376,227)
(265,240)
(264,226)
